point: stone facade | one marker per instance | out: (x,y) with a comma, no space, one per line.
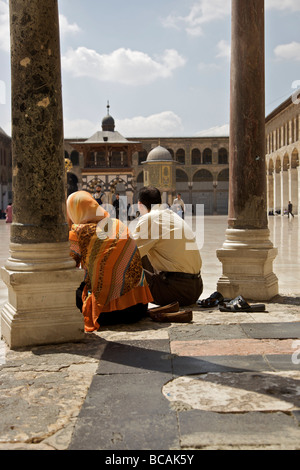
(201,171)
(282,156)
(202,166)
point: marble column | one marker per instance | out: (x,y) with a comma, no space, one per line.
(40,275)
(284,177)
(247,254)
(293,188)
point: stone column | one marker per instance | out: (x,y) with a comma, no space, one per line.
(40,275)
(247,254)
(293,188)
(284,178)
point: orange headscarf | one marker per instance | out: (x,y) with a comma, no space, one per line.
(83,208)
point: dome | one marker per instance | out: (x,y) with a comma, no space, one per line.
(159,154)
(108,123)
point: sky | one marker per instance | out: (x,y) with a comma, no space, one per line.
(164,66)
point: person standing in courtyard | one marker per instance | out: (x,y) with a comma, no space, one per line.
(8,213)
(178,206)
(170,256)
(119,206)
(290,209)
(99,195)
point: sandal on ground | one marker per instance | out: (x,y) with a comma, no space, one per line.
(239,304)
(184,316)
(170,308)
(212,301)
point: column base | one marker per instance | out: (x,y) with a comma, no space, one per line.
(247,258)
(41,307)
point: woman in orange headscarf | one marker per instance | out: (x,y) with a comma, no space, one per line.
(115,289)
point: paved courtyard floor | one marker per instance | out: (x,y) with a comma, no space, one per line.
(284,233)
(223,381)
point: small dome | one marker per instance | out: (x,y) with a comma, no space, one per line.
(159,154)
(108,123)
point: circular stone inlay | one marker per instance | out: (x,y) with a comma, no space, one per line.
(236,392)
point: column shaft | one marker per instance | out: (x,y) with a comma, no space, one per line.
(247,254)
(40,274)
(247,188)
(37,123)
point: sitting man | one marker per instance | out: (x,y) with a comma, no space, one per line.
(169,252)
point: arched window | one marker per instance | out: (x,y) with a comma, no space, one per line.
(180,156)
(202,175)
(207,156)
(181,176)
(196,157)
(223,175)
(222,156)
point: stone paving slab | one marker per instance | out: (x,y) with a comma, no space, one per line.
(126,411)
(201,365)
(135,357)
(254,430)
(63,396)
(272,330)
(227,347)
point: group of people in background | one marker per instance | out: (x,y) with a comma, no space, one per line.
(120,209)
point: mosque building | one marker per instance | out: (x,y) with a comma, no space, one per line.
(197,167)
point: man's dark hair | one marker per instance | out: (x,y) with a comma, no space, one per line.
(149,196)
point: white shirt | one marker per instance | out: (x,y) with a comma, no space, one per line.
(168,241)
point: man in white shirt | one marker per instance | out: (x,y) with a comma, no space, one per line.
(178,205)
(169,252)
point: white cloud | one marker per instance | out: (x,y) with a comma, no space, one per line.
(122,65)
(165,123)
(292,5)
(218,131)
(4,26)
(202,12)
(224,49)
(206,11)
(80,128)
(289,51)
(66,27)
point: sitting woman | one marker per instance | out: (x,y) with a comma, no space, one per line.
(115,289)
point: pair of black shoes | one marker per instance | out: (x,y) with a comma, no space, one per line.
(239,304)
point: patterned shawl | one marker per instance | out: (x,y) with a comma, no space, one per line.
(114,275)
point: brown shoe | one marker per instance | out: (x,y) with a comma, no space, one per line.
(173,307)
(184,316)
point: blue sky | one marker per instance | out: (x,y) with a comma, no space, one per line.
(164,65)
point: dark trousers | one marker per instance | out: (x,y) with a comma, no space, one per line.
(171,287)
